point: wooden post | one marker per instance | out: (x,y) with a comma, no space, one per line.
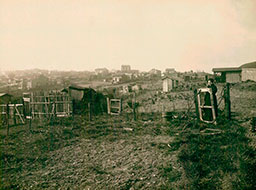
(30,123)
(254,124)
(108,105)
(7,120)
(53,112)
(227,101)
(163,113)
(55,107)
(120,108)
(196,104)
(90,114)
(32,105)
(72,107)
(46,105)
(134,107)
(14,114)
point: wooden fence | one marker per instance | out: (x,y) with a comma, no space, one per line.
(48,105)
(12,113)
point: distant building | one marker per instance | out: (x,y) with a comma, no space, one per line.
(128,75)
(170,71)
(236,74)
(126,88)
(29,85)
(116,79)
(102,71)
(125,68)
(187,78)
(136,87)
(155,72)
(169,84)
(40,81)
(135,72)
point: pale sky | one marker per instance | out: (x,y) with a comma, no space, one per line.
(88,34)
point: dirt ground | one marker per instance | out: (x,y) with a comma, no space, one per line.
(110,152)
(94,155)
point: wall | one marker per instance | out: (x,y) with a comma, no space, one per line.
(249,74)
(76,94)
(233,77)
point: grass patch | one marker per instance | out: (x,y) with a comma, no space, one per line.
(217,161)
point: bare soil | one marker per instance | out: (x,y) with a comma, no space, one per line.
(115,152)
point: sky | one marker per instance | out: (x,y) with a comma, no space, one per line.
(87,34)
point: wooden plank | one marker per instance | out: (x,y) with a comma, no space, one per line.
(115,100)
(210,107)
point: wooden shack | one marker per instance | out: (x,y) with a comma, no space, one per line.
(230,75)
(236,74)
(5,98)
(87,99)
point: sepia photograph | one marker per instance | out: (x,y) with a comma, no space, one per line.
(128,94)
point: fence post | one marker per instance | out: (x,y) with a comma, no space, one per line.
(120,106)
(196,104)
(227,101)
(14,114)
(54,113)
(30,124)
(134,107)
(90,114)
(7,116)
(253,122)
(108,105)
(30,117)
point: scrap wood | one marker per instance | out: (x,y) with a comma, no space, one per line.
(214,131)
(127,129)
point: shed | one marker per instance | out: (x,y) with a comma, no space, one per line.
(236,74)
(230,74)
(5,98)
(82,97)
(248,71)
(169,83)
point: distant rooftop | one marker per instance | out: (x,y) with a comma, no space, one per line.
(225,69)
